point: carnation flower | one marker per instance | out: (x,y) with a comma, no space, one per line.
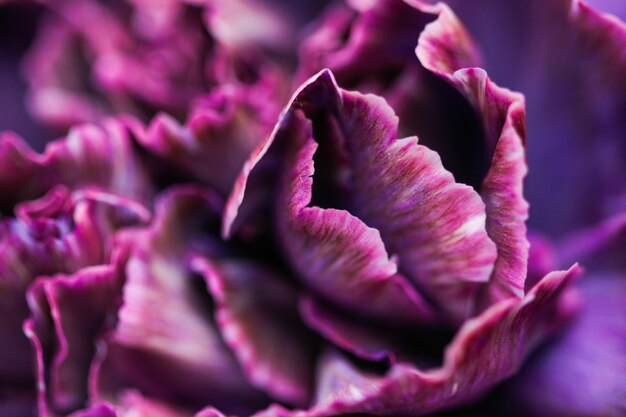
(232,235)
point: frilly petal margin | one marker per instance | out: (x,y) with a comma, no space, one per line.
(100,156)
(488,349)
(61,232)
(443,48)
(68,311)
(221,131)
(581,373)
(369,130)
(256,313)
(164,342)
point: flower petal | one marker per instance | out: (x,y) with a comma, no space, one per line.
(488,349)
(90,155)
(61,232)
(98,410)
(164,342)
(335,252)
(581,373)
(219,134)
(68,311)
(443,48)
(257,316)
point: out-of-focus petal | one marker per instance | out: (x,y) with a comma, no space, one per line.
(164,342)
(61,232)
(99,410)
(222,130)
(580,373)
(90,155)
(257,315)
(68,312)
(488,349)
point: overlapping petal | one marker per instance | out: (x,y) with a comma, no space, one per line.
(422,215)
(257,316)
(101,156)
(164,341)
(488,349)
(219,134)
(68,311)
(60,233)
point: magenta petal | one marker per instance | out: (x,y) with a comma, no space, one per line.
(582,372)
(488,349)
(335,252)
(68,311)
(351,335)
(444,45)
(434,225)
(90,155)
(502,189)
(221,131)
(257,316)
(99,410)
(164,342)
(446,49)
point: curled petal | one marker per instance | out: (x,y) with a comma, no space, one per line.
(581,373)
(68,311)
(90,155)
(257,317)
(445,48)
(219,134)
(488,349)
(164,341)
(438,219)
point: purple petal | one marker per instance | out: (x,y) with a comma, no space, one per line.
(61,232)
(219,134)
(355,336)
(359,260)
(445,46)
(446,49)
(90,155)
(99,410)
(567,59)
(502,189)
(439,219)
(164,342)
(256,313)
(372,49)
(68,311)
(488,349)
(582,372)
(435,225)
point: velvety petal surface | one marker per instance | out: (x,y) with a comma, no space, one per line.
(68,312)
(165,342)
(219,134)
(488,349)
(90,155)
(580,373)
(256,312)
